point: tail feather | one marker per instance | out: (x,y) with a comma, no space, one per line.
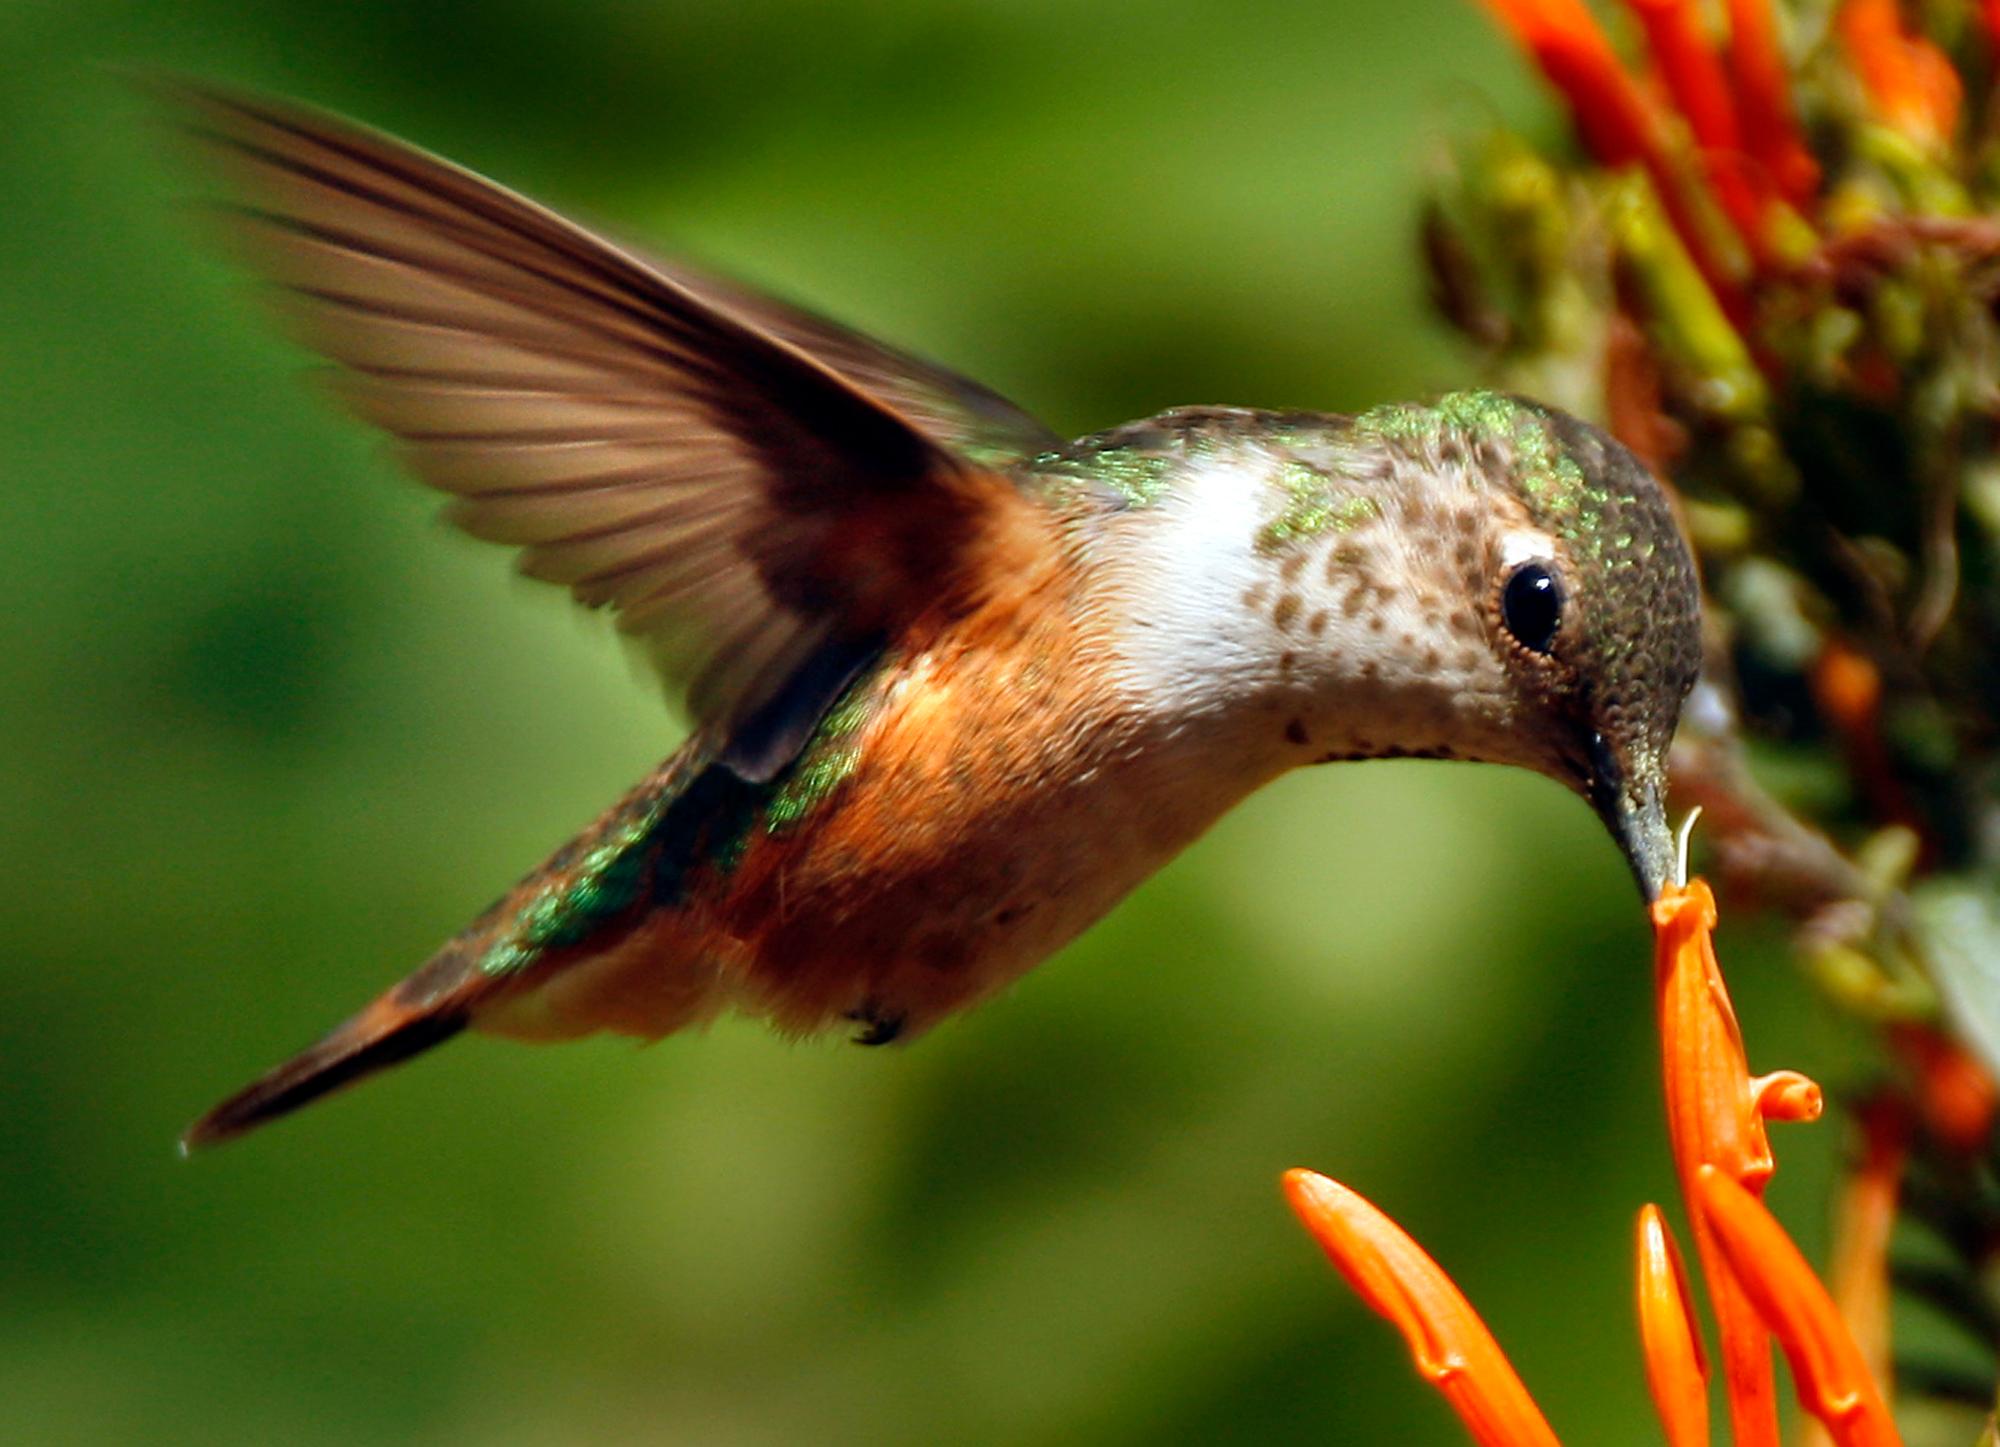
(438,1001)
(383,1035)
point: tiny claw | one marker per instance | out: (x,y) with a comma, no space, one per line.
(879,1026)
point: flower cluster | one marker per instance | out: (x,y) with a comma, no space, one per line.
(1771,265)
(1759,1286)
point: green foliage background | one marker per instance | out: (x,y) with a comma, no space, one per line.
(267,735)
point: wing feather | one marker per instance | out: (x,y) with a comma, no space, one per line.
(760,494)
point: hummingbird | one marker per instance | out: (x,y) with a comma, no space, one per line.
(957,684)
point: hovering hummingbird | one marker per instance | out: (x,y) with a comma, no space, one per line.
(959,685)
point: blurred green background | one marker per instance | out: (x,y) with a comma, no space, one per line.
(268,734)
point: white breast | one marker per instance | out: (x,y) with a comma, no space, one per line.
(1194,628)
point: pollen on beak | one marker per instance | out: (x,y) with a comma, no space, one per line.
(1630,802)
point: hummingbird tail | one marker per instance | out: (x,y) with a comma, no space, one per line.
(387,1033)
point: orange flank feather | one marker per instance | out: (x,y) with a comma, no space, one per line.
(906,891)
(889,889)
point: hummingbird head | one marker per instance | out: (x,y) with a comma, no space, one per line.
(1593,611)
(1481,578)
(1553,562)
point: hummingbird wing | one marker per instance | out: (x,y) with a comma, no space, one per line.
(954,411)
(762,497)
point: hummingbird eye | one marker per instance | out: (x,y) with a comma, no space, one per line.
(1531,606)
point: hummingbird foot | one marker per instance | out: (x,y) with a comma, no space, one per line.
(879,1025)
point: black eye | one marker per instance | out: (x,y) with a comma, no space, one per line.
(1531,606)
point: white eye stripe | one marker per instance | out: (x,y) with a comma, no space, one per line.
(1524,545)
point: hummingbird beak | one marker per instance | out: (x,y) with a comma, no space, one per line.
(1630,802)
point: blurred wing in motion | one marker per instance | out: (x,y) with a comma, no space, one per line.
(760,495)
(954,411)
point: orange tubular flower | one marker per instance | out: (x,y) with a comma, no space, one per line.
(1715,1117)
(1676,1369)
(1847,690)
(1694,78)
(1827,1367)
(1955,1093)
(1764,101)
(1692,73)
(1910,81)
(1618,121)
(1453,1349)
(1758,1284)
(1858,1276)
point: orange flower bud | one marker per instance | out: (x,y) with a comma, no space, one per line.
(1910,81)
(1620,124)
(1954,1091)
(1764,101)
(1758,1284)
(1858,1276)
(1715,1119)
(1828,1369)
(1453,1349)
(1676,1369)
(1692,73)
